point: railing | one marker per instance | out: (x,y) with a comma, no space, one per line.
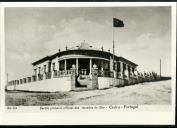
(34,78)
(68,72)
(17,82)
(119,75)
(57,74)
(48,75)
(24,80)
(29,79)
(125,76)
(83,72)
(40,77)
(105,73)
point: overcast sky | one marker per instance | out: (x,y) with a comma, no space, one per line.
(33,33)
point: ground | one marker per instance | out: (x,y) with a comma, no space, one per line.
(148,93)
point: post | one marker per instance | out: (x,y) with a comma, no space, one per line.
(160,68)
(94,77)
(90,66)
(113,42)
(58,65)
(73,77)
(77,66)
(58,73)
(115,73)
(102,65)
(7,78)
(65,65)
(121,69)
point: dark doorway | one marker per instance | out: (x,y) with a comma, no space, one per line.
(84,66)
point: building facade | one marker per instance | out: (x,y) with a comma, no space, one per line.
(80,68)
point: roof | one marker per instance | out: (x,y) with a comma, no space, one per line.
(85,46)
(83,49)
(41,60)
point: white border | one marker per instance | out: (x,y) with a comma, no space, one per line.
(21,117)
(173,55)
(2,61)
(84,4)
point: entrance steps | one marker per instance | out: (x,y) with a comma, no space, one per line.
(83,81)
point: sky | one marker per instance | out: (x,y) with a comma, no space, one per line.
(33,33)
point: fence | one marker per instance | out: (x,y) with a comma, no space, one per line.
(39,77)
(105,73)
(132,78)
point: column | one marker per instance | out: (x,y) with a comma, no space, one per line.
(90,66)
(58,65)
(34,72)
(115,69)
(102,68)
(94,77)
(77,65)
(37,73)
(127,69)
(111,64)
(121,69)
(126,72)
(102,65)
(65,65)
(73,77)
(48,66)
(44,71)
(53,69)
(131,71)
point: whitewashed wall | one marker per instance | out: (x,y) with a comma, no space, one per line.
(106,82)
(116,82)
(48,85)
(103,82)
(11,87)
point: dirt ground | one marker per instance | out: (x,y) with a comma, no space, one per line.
(149,93)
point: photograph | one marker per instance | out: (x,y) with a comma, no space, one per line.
(58,56)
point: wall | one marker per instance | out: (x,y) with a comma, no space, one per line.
(48,85)
(103,82)
(106,82)
(117,82)
(11,87)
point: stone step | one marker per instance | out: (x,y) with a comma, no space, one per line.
(84,80)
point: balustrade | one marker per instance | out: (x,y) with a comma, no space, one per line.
(105,73)
(48,75)
(119,75)
(34,78)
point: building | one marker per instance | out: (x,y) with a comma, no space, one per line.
(80,68)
